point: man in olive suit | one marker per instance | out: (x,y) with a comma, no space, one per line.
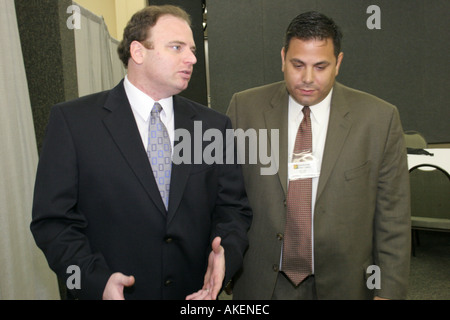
(360,225)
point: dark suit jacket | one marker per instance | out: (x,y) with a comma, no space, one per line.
(97,205)
(362,210)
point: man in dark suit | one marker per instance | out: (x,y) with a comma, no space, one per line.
(360,226)
(98,207)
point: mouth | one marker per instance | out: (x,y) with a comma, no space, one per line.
(186,74)
(306,91)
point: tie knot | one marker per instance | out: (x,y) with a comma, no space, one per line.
(156,108)
(306,111)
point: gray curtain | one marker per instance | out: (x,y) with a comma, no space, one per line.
(98,65)
(24,273)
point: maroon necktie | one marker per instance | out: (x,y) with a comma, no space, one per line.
(297,247)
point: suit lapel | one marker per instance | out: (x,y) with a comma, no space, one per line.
(184,119)
(338,128)
(122,126)
(277,118)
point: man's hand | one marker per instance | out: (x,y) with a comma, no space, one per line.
(214,274)
(114,286)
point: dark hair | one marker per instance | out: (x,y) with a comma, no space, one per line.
(313,25)
(138,28)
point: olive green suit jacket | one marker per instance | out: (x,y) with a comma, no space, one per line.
(362,209)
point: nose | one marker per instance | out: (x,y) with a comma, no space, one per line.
(190,57)
(308,75)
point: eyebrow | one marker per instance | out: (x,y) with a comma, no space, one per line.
(295,60)
(177,42)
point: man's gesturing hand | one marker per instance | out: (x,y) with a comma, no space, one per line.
(114,286)
(214,274)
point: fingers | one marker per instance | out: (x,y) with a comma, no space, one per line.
(121,279)
(114,286)
(203,294)
(216,269)
(128,281)
(216,247)
(216,285)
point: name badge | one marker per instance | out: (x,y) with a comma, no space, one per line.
(303,166)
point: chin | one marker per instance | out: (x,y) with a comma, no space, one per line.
(304,102)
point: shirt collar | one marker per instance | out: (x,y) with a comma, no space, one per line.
(319,111)
(142,104)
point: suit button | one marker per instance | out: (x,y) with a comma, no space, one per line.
(168,282)
(275,268)
(285,203)
(280,236)
(168,240)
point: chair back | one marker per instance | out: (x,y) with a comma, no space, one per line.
(415,140)
(430,193)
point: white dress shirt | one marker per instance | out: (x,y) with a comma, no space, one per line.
(320,114)
(142,104)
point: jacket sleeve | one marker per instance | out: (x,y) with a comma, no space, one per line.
(57,226)
(393,216)
(233,215)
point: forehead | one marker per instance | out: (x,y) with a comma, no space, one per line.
(170,28)
(319,47)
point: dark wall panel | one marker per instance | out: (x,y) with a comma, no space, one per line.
(48,48)
(404,62)
(236,48)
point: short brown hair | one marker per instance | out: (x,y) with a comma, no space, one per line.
(138,28)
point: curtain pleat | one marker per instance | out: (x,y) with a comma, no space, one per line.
(24,272)
(98,65)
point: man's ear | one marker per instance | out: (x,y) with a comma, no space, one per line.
(339,61)
(283,55)
(137,52)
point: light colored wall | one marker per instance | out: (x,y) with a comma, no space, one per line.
(124,10)
(115,12)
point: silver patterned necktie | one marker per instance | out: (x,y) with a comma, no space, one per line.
(159,153)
